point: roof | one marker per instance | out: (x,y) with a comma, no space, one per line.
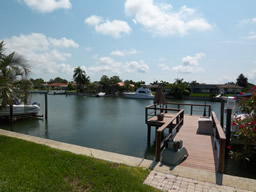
(230,86)
(121,84)
(57,85)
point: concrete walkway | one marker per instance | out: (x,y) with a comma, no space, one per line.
(162,177)
(172,183)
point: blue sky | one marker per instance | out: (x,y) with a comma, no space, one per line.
(206,41)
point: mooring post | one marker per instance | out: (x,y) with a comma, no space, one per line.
(46,105)
(222,113)
(149,134)
(228,128)
(11,114)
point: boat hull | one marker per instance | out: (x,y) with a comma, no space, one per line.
(137,96)
(20,110)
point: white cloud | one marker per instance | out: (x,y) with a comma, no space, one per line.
(115,28)
(138,66)
(93,20)
(123,53)
(247,21)
(252,74)
(163,20)
(63,42)
(164,67)
(42,55)
(189,64)
(106,64)
(46,6)
(251,35)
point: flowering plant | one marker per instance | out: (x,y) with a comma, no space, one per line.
(246,132)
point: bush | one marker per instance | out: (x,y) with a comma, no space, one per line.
(246,133)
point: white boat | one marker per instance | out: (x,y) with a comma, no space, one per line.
(57,92)
(20,110)
(141,93)
(100,94)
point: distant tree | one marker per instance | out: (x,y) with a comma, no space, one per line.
(70,86)
(242,80)
(81,79)
(179,88)
(105,82)
(37,83)
(155,82)
(58,80)
(138,84)
(193,83)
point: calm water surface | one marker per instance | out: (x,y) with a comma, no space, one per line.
(113,124)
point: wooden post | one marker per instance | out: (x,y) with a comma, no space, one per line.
(222,156)
(228,127)
(146,115)
(158,145)
(11,114)
(149,134)
(191,110)
(46,105)
(222,113)
(209,111)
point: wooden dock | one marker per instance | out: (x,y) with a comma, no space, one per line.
(202,154)
(206,152)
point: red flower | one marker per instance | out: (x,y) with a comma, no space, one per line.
(235,98)
(241,93)
(253,129)
(241,126)
(252,122)
(233,123)
(229,147)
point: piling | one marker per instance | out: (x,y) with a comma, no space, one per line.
(228,128)
(46,105)
(11,114)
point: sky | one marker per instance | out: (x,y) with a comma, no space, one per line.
(149,40)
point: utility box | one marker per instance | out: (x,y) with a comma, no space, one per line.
(205,126)
(231,103)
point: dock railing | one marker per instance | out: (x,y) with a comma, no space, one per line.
(174,124)
(153,110)
(191,107)
(219,138)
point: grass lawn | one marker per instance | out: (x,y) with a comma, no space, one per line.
(26,166)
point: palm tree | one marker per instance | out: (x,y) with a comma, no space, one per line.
(13,67)
(80,78)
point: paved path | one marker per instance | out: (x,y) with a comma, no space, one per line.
(172,183)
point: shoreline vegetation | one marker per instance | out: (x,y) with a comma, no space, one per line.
(27,166)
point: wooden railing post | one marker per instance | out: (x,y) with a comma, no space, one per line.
(146,115)
(158,145)
(222,113)
(191,110)
(222,156)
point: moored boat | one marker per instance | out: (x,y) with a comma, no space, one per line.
(141,93)
(19,110)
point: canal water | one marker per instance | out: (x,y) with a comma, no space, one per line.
(114,124)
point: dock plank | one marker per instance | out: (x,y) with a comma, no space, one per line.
(202,154)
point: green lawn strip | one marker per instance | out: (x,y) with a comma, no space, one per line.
(26,166)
